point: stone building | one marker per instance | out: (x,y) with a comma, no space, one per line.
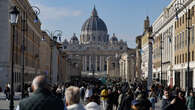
(45,50)
(94,46)
(145,47)
(128,65)
(181,46)
(113,65)
(138,57)
(27,29)
(170,40)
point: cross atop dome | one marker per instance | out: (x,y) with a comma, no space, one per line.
(94,12)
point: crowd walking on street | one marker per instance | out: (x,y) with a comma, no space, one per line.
(92,94)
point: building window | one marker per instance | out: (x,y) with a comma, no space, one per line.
(192,55)
(175,60)
(186,58)
(175,43)
(183,19)
(183,58)
(192,34)
(183,39)
(175,25)
(186,40)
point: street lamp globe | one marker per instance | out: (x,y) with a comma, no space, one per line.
(14,13)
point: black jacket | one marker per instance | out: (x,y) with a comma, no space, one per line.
(166,103)
(42,99)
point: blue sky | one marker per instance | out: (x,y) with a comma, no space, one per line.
(125,18)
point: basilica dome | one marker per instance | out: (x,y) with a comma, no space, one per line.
(94,23)
(94,29)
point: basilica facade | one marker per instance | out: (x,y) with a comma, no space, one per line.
(94,46)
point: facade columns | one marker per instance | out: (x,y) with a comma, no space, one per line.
(90,59)
(100,63)
(83,60)
(85,63)
(96,63)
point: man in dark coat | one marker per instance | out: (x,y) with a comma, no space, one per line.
(42,99)
(126,103)
(167,101)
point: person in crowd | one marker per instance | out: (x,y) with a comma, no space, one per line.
(72,95)
(167,100)
(110,100)
(88,93)
(115,98)
(7,92)
(175,91)
(0,89)
(59,92)
(179,102)
(97,98)
(126,103)
(104,97)
(135,105)
(96,89)
(82,93)
(92,103)
(152,97)
(144,103)
(121,95)
(42,98)
(191,101)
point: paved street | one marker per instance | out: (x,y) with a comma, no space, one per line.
(4,105)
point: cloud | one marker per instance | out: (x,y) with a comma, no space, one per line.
(55,13)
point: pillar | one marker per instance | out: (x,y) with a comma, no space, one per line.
(100,65)
(90,63)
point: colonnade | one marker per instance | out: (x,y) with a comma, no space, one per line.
(96,63)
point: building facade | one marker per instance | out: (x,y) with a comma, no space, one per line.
(145,47)
(45,50)
(94,46)
(138,57)
(27,38)
(170,34)
(128,65)
(113,65)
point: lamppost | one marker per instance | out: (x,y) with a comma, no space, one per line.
(14,13)
(177,9)
(93,70)
(24,29)
(54,39)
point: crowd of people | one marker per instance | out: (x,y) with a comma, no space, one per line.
(92,94)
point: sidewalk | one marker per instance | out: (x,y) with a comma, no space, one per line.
(4,105)
(158,105)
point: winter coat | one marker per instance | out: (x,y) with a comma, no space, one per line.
(92,106)
(190,102)
(166,103)
(42,99)
(75,107)
(179,104)
(126,103)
